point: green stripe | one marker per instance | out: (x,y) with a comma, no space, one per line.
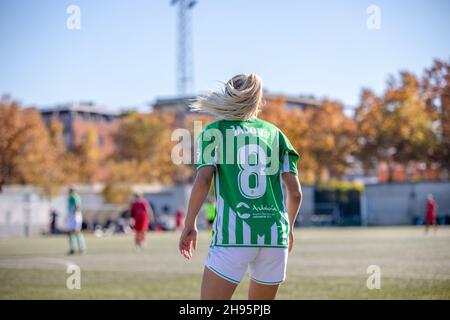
(268,236)
(222,275)
(225,219)
(279,230)
(253,236)
(239,231)
(267,282)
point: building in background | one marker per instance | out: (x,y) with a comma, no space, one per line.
(415,171)
(78,118)
(180,105)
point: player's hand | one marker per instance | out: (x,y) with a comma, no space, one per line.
(291,240)
(188,241)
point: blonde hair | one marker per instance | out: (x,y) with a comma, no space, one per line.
(241,99)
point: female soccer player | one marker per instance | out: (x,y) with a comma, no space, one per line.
(141,212)
(430,214)
(74,223)
(249,160)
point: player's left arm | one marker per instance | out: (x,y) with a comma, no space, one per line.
(293,201)
(200,190)
(77,204)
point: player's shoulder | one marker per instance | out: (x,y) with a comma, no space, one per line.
(74,196)
(267,124)
(226,124)
(213,125)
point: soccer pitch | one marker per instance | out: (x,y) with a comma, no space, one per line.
(329,263)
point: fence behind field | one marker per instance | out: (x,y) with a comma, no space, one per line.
(401,204)
(25,211)
(307,208)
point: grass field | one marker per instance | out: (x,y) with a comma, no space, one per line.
(325,264)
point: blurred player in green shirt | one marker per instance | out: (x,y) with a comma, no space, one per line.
(74,223)
(210,212)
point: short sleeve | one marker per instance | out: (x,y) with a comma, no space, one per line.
(206,149)
(77,201)
(288,155)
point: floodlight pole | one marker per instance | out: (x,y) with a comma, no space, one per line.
(184,70)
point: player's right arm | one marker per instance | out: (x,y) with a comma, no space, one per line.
(200,190)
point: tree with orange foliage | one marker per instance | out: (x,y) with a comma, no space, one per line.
(294,125)
(324,136)
(26,152)
(436,92)
(88,156)
(332,136)
(396,127)
(68,167)
(143,152)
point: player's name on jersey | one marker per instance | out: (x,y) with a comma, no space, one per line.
(238,130)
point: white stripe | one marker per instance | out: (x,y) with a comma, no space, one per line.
(282,192)
(253,246)
(260,239)
(231,227)
(274,234)
(246,233)
(215,155)
(284,231)
(219,208)
(283,226)
(219,231)
(285,162)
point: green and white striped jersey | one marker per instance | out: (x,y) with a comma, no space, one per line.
(249,158)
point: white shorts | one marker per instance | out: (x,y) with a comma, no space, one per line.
(265,265)
(74,222)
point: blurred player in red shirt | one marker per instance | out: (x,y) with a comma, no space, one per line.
(430,214)
(141,212)
(179,217)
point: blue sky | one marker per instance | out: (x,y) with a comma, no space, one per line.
(124,54)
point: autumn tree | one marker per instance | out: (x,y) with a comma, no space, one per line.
(139,136)
(294,125)
(26,152)
(324,136)
(396,127)
(371,138)
(143,151)
(332,136)
(436,93)
(87,157)
(194,123)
